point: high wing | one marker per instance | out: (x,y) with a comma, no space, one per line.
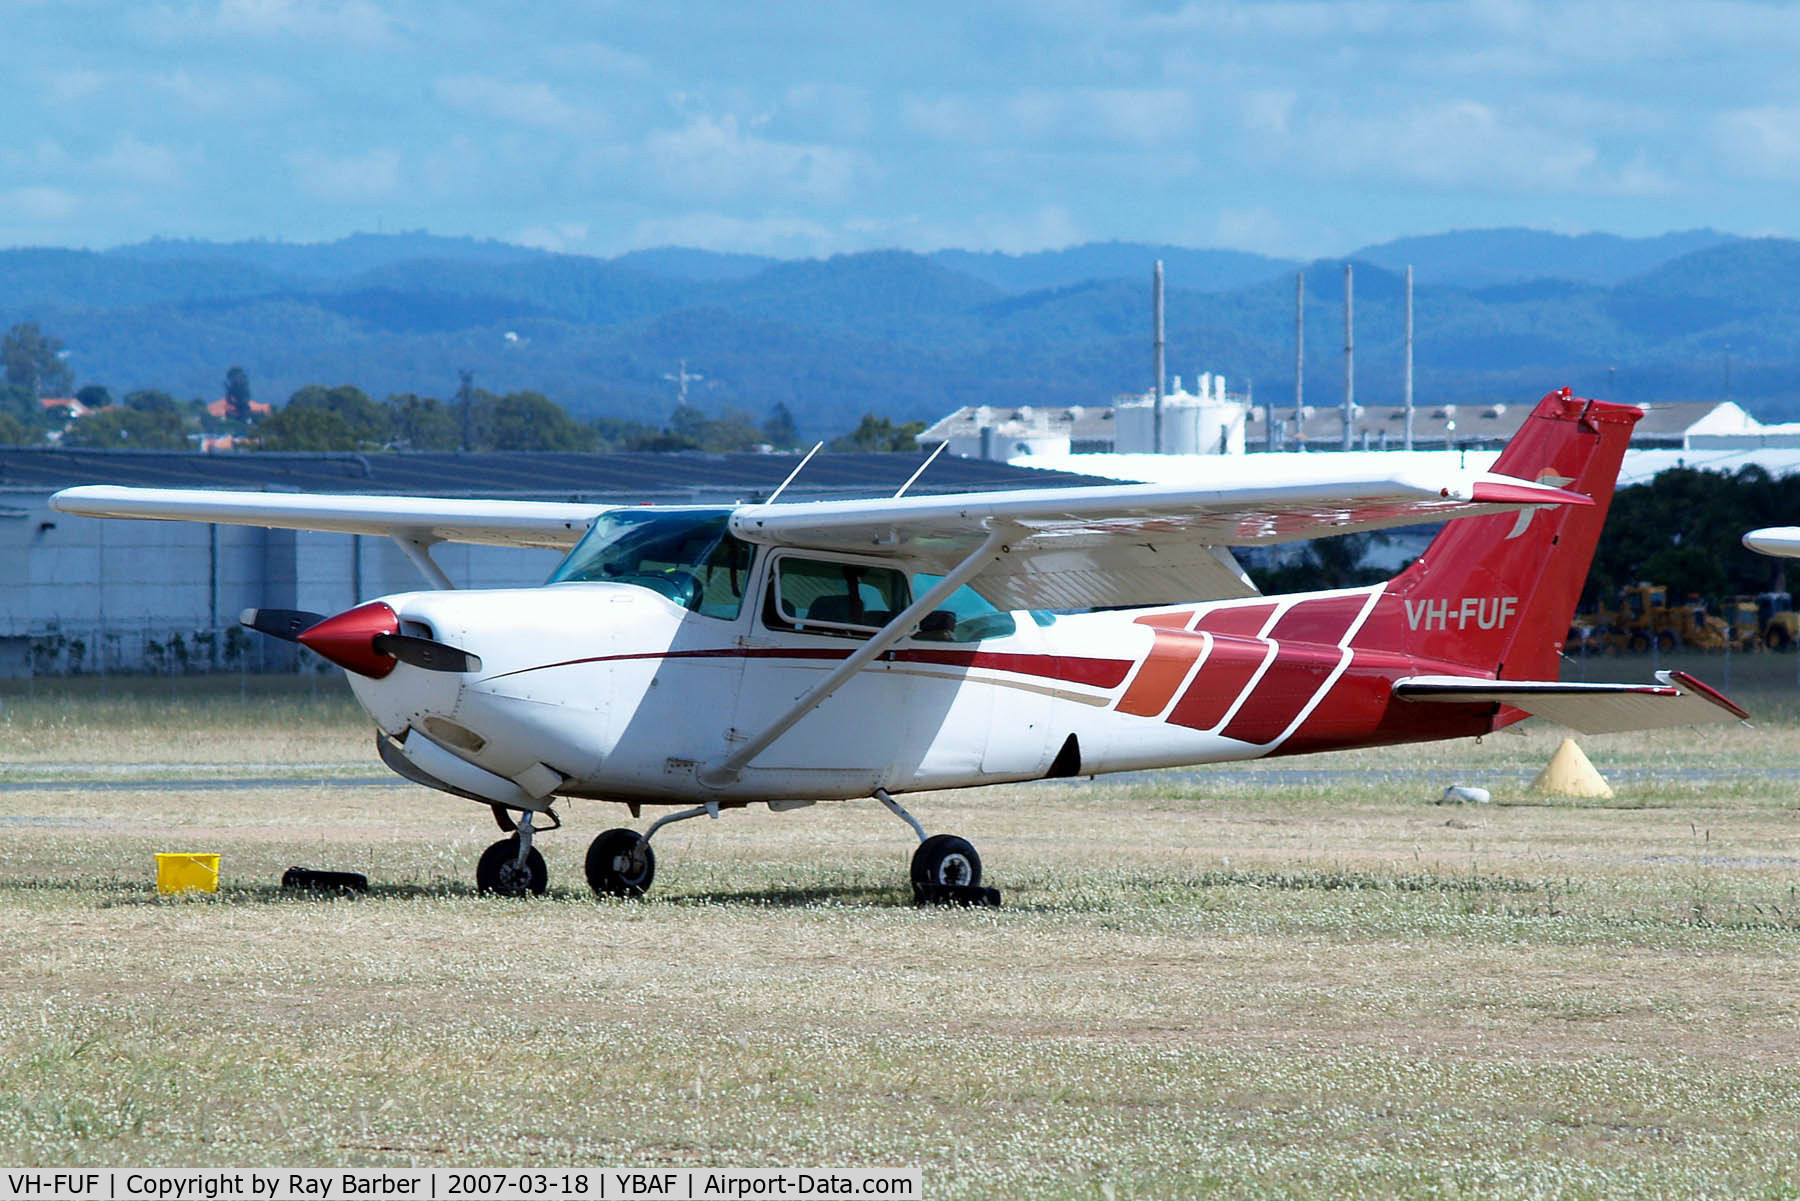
(1137,544)
(420,520)
(1677,699)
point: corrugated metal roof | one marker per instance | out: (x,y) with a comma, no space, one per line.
(1322,426)
(685,477)
(1476,424)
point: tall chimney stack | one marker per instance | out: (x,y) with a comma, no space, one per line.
(1299,361)
(1349,355)
(1408,387)
(1156,305)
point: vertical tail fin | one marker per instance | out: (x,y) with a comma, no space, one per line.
(1497,592)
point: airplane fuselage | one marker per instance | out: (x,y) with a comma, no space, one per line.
(627,696)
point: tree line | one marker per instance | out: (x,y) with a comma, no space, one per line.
(345,418)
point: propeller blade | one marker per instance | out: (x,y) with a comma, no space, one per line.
(425,653)
(285,624)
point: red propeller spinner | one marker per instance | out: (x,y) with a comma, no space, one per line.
(348,639)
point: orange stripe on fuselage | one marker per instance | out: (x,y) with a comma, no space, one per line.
(1172,655)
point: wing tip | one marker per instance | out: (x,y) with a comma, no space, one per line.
(1499,490)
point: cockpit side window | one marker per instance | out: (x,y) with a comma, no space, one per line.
(687,555)
(849,600)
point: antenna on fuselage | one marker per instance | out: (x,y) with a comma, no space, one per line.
(796,471)
(932,458)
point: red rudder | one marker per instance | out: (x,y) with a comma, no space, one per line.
(1497,592)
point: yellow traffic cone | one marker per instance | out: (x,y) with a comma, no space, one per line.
(1569,773)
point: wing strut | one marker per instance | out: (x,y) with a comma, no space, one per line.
(419,551)
(726,770)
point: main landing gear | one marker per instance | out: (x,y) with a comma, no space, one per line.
(945,869)
(620,863)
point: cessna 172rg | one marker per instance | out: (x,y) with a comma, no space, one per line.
(782,654)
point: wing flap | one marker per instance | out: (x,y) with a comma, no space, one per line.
(1676,699)
(542,524)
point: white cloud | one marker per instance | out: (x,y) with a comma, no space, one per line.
(528,103)
(1252,229)
(712,156)
(138,162)
(236,94)
(840,111)
(1760,143)
(71,84)
(561,236)
(45,157)
(355,23)
(1450,144)
(371,176)
(1030,116)
(37,203)
(1048,227)
(780,236)
(591,57)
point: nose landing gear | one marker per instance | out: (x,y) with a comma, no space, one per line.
(513,867)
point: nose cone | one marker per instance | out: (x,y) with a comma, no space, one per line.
(348,639)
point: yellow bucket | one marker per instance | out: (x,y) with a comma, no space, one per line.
(186,872)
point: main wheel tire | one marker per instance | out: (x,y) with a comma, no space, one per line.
(620,864)
(1665,641)
(1777,639)
(946,859)
(500,872)
(1638,643)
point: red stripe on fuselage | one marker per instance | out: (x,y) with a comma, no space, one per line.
(1219,683)
(1296,676)
(1324,621)
(1241,621)
(1098,673)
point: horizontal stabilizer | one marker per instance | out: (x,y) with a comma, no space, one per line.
(1676,699)
(1782,541)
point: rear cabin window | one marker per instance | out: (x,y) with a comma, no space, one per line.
(963,616)
(845,599)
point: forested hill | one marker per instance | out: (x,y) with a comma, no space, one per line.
(1504,314)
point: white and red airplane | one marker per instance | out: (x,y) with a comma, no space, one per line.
(782,654)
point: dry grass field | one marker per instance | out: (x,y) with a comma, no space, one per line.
(1300,978)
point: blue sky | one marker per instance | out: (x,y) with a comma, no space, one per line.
(1284,127)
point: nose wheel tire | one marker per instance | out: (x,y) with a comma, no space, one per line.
(500,872)
(620,863)
(946,859)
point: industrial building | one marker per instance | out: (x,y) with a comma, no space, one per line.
(1214,422)
(79,595)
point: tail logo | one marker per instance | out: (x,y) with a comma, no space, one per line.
(1482,612)
(1546,476)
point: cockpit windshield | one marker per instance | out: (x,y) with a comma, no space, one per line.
(687,555)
